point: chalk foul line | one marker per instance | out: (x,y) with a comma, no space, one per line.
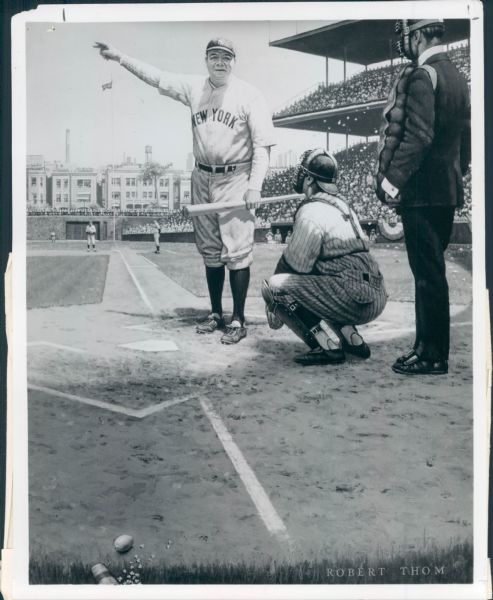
(116,408)
(266,510)
(141,291)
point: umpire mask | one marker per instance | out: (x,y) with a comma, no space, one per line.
(318,163)
(404,28)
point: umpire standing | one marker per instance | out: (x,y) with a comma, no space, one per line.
(423,154)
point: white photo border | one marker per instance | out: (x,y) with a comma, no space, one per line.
(15,559)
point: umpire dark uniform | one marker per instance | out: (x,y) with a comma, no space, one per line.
(424,153)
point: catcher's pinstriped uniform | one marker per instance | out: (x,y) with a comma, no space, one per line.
(332,273)
(228,122)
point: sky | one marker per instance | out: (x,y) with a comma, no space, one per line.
(65,75)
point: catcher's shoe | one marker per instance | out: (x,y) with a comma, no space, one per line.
(360,350)
(235,332)
(319,356)
(210,324)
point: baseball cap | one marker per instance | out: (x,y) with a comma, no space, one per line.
(221,44)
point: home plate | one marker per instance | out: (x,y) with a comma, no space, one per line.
(152,346)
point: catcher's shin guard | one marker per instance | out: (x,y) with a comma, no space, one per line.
(291,315)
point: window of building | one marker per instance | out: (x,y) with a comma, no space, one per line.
(116,181)
(41,181)
(115,195)
(134,195)
(58,197)
(33,180)
(144,194)
(41,197)
(87,183)
(35,197)
(127,195)
(65,197)
(161,182)
(58,183)
(163,196)
(65,183)
(130,181)
(186,195)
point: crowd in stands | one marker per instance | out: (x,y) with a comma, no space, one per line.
(357,166)
(172,221)
(367,86)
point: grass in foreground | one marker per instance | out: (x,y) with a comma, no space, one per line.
(65,280)
(433,565)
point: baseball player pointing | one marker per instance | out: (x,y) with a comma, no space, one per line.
(232,135)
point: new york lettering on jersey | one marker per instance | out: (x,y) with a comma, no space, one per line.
(217,115)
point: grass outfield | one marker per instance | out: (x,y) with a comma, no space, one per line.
(182,263)
(433,565)
(65,280)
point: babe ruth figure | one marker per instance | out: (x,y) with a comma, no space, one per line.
(156,230)
(232,135)
(326,281)
(424,152)
(91,236)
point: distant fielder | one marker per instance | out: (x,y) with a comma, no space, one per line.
(156,230)
(232,135)
(91,236)
(326,281)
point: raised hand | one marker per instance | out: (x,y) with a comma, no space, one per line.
(108,52)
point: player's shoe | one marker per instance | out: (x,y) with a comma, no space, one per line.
(210,324)
(319,356)
(361,350)
(234,333)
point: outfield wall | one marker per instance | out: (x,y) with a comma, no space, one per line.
(40,228)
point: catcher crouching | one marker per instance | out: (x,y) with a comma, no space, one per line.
(326,281)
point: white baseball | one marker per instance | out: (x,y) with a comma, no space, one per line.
(123,543)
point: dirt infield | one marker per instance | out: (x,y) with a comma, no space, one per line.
(353,460)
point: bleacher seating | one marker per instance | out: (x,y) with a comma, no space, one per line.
(367,86)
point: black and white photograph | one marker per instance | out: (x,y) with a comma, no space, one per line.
(249,302)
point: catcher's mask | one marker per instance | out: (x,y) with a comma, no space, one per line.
(318,163)
(404,28)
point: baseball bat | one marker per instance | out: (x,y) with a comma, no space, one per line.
(215,207)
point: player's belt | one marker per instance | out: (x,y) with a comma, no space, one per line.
(216,168)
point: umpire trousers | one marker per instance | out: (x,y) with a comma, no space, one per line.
(427,233)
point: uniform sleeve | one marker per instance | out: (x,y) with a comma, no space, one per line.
(178,87)
(304,247)
(418,132)
(260,123)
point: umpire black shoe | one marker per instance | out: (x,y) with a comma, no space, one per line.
(414,365)
(319,356)
(405,357)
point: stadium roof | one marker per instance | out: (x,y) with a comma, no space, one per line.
(357,119)
(363,42)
